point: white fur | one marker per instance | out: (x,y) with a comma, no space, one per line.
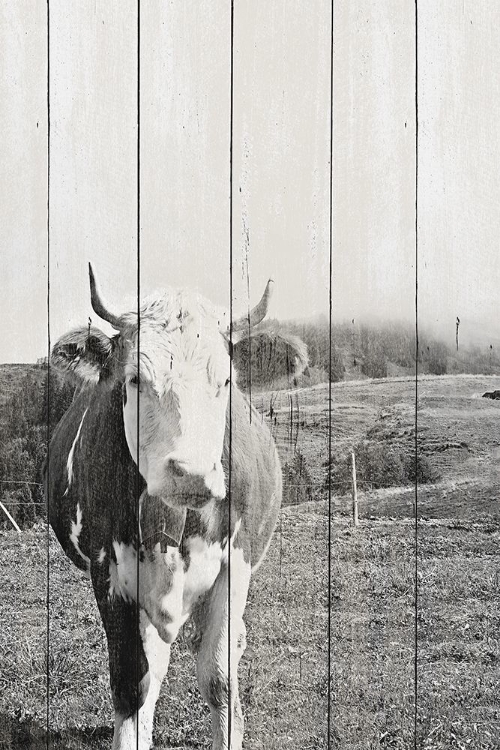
(123,573)
(229,549)
(166,591)
(210,517)
(214,650)
(76,530)
(204,566)
(182,402)
(161,586)
(69,463)
(167,594)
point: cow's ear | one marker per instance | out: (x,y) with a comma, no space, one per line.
(84,354)
(269,357)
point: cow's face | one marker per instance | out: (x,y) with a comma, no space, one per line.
(176,379)
(173,365)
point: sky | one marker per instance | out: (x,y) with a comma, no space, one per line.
(281,153)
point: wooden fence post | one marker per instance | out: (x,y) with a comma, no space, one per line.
(2,506)
(354,491)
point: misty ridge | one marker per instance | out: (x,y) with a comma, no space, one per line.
(369,349)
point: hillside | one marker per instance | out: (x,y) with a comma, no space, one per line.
(458,431)
(372,609)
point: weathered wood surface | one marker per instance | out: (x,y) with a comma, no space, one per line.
(280,146)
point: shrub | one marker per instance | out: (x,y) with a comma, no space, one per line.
(380,464)
(297,482)
(424,470)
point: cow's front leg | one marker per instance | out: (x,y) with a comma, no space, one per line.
(135,730)
(138,662)
(221,647)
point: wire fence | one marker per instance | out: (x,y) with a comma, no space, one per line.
(26,482)
(346,486)
(20,481)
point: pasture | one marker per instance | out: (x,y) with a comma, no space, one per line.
(284,673)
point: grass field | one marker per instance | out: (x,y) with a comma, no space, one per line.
(284,673)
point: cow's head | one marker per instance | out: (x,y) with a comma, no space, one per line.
(173,361)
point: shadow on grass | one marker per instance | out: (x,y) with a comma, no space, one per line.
(27,734)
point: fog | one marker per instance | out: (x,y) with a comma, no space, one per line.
(281,139)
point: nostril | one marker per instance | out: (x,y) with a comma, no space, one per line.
(176,467)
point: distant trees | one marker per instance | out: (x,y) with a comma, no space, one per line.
(366,349)
(373,355)
(57,397)
(436,355)
(29,414)
(21,447)
(380,349)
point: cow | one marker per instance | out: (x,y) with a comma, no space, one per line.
(164,486)
(495,395)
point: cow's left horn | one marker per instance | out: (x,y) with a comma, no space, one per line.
(98,305)
(257,314)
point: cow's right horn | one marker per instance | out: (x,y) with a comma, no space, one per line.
(257,314)
(98,304)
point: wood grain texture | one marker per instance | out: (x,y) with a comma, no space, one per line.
(281,229)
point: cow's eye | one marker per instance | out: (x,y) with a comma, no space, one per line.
(134,380)
(222,388)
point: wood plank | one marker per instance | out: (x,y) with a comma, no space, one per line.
(459,275)
(281,230)
(93,217)
(23,309)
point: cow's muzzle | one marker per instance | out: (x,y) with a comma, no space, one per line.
(192,481)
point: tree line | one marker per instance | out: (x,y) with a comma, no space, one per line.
(28,418)
(349,349)
(35,397)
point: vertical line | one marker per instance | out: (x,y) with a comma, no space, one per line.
(249,368)
(231,127)
(47,493)
(329,687)
(138,475)
(415,665)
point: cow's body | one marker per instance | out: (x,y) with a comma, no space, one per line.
(146,581)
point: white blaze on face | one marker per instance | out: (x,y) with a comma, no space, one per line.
(181,393)
(130,407)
